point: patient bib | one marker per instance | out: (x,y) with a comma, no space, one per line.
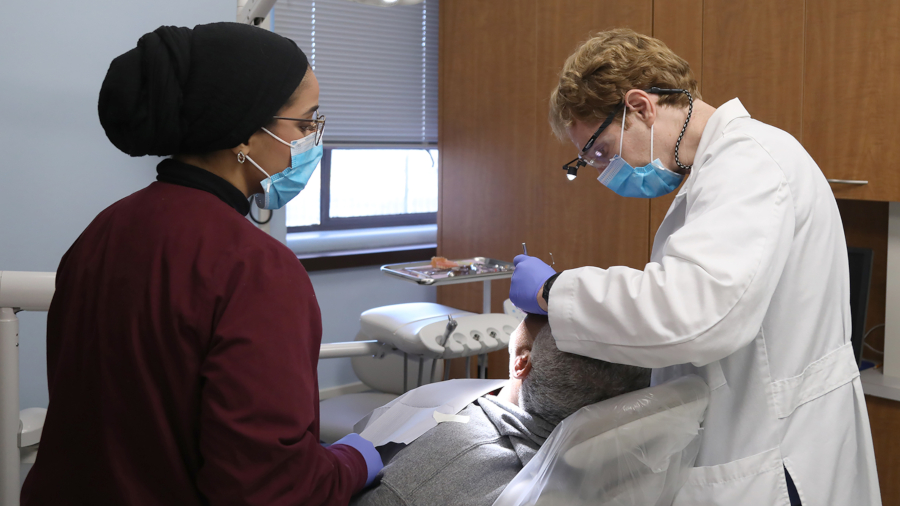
(414,413)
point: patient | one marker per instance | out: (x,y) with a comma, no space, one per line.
(471,463)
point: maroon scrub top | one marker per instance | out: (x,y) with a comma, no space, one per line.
(182,345)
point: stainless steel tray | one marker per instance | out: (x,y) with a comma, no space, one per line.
(485,269)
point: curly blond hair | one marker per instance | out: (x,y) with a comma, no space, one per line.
(597,75)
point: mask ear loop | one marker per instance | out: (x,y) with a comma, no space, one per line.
(241,157)
(651,141)
(286,143)
(622,133)
(279,139)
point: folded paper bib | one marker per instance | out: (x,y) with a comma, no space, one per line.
(414,413)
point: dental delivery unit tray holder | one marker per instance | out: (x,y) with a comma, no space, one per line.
(479,269)
(467,270)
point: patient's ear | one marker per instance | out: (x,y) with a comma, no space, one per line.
(521,365)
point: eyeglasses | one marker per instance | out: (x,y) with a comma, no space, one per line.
(316,124)
(587,156)
(596,158)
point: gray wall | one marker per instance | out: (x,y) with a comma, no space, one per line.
(58,170)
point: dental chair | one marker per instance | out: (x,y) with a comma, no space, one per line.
(632,450)
(415,339)
(20,431)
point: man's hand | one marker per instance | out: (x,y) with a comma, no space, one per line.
(528,282)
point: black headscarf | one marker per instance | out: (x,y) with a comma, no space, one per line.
(193,91)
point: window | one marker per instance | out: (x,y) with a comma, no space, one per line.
(368,187)
(377,70)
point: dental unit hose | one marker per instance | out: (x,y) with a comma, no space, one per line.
(451,326)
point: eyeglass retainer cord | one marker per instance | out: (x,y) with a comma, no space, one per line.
(664,91)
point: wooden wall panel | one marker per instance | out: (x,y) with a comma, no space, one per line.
(852,53)
(486,134)
(581,222)
(678,23)
(486,138)
(754,51)
(501,177)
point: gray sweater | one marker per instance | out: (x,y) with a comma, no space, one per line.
(461,463)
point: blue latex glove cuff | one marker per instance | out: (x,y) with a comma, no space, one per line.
(368,451)
(527,282)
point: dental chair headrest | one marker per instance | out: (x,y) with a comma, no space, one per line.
(634,449)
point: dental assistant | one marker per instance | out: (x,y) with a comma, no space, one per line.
(747,284)
(182,341)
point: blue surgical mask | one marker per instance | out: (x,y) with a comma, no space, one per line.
(649,181)
(280,188)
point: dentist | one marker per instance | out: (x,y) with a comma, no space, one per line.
(747,283)
(182,342)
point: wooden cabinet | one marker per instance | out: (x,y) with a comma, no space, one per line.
(754,51)
(850,126)
(747,50)
(821,70)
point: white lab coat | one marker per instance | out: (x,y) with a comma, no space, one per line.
(748,287)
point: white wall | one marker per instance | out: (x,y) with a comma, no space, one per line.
(58,170)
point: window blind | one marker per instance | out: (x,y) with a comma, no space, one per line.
(377,67)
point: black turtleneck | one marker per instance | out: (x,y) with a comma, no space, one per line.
(182,174)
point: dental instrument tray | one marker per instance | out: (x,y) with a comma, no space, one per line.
(440,271)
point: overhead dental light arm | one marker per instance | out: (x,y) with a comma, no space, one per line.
(253,12)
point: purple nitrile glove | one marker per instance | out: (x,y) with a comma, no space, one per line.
(368,451)
(528,280)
